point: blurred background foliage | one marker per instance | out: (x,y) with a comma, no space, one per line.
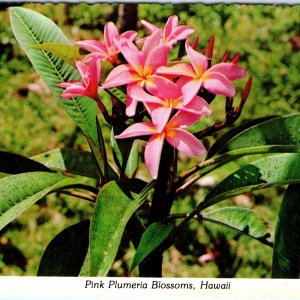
(31,121)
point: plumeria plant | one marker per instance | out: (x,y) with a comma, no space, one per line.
(151,91)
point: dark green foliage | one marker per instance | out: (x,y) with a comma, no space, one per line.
(11,163)
(286,257)
(65,254)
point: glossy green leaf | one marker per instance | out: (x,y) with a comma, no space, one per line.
(113,209)
(242,219)
(72,161)
(286,254)
(133,160)
(116,149)
(11,163)
(223,140)
(277,131)
(106,67)
(126,154)
(266,172)
(118,94)
(2,175)
(18,192)
(152,238)
(69,160)
(85,268)
(31,28)
(65,254)
(98,158)
(68,53)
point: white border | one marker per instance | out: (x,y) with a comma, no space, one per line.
(38,288)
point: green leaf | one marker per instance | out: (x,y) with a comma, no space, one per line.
(106,67)
(277,131)
(2,175)
(65,254)
(116,149)
(266,172)
(125,154)
(31,28)
(118,94)
(286,254)
(72,161)
(69,160)
(133,160)
(85,268)
(219,144)
(11,163)
(18,192)
(152,238)
(66,52)
(113,209)
(239,218)
(97,157)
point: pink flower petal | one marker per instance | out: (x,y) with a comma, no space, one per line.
(133,56)
(138,93)
(197,106)
(183,32)
(164,88)
(178,70)
(94,73)
(190,89)
(149,26)
(198,60)
(94,55)
(160,116)
(152,153)
(138,129)
(182,119)
(74,91)
(131,105)
(68,83)
(157,57)
(83,70)
(170,26)
(92,46)
(120,75)
(152,41)
(231,71)
(130,35)
(185,142)
(110,32)
(217,83)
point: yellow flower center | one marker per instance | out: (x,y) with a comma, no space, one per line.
(173,102)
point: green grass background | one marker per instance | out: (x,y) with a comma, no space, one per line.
(31,121)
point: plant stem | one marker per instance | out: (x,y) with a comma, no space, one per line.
(152,266)
(162,185)
(83,196)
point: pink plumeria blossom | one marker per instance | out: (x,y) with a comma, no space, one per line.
(168,97)
(173,132)
(172,32)
(90,75)
(216,79)
(140,70)
(107,50)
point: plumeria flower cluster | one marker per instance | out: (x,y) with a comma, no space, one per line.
(170,94)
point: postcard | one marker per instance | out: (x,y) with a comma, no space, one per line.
(149,149)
